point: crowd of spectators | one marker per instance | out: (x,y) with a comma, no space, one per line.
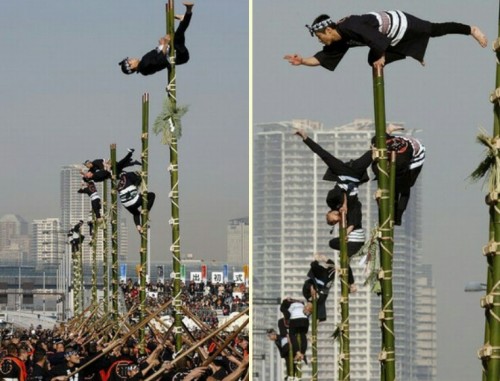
(75,354)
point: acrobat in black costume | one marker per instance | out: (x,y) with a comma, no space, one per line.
(95,200)
(298,325)
(347,176)
(76,237)
(280,339)
(355,233)
(410,156)
(131,197)
(390,35)
(99,170)
(158,59)
(320,277)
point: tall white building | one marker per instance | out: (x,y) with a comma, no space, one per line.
(14,239)
(289,227)
(48,242)
(237,241)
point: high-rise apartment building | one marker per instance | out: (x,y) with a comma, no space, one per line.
(48,243)
(289,227)
(14,239)
(237,241)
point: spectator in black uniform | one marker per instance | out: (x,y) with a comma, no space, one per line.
(131,197)
(157,59)
(70,365)
(39,371)
(390,35)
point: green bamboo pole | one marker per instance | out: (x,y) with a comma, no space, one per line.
(174,184)
(298,364)
(80,272)
(144,218)
(493,282)
(105,271)
(291,363)
(76,282)
(387,356)
(94,260)
(114,234)
(344,302)
(314,341)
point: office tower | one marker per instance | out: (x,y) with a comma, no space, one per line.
(426,322)
(237,241)
(289,227)
(14,238)
(48,242)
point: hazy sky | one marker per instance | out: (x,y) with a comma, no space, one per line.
(64,99)
(447,99)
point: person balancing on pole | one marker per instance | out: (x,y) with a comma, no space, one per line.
(158,58)
(390,35)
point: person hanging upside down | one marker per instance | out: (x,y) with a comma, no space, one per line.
(410,156)
(90,189)
(347,175)
(158,58)
(390,35)
(131,197)
(320,278)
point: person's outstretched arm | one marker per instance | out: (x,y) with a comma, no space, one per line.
(297,60)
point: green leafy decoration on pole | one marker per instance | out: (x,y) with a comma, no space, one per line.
(168,122)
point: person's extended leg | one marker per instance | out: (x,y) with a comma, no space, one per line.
(441,29)
(126,162)
(181,52)
(96,207)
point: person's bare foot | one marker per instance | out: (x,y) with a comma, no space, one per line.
(479,36)
(189,6)
(392,127)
